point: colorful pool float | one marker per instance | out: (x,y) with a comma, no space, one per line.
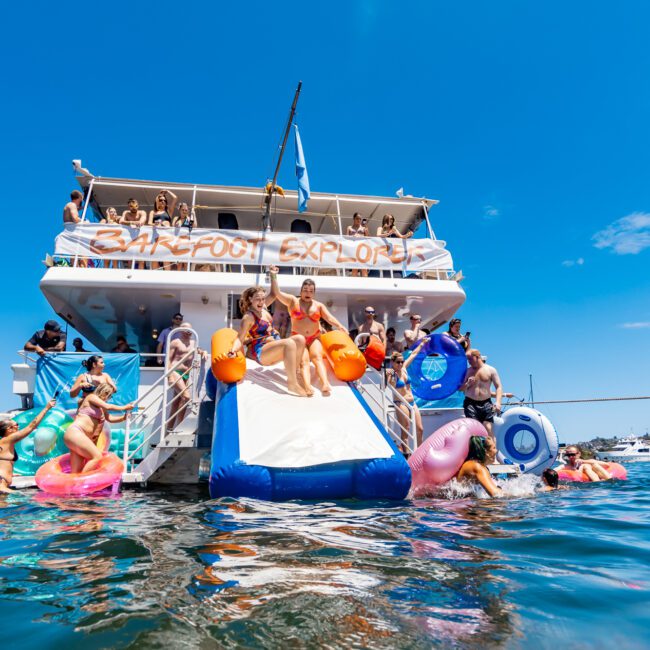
(55,478)
(617,471)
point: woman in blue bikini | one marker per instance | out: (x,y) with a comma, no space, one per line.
(398,378)
(263,344)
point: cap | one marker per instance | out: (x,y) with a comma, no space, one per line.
(52,325)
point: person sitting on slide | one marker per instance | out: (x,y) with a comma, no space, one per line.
(306,314)
(82,435)
(10,434)
(263,344)
(88,381)
(591,469)
(482,452)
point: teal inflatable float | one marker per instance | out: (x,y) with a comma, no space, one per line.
(43,444)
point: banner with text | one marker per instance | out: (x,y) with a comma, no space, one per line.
(247,247)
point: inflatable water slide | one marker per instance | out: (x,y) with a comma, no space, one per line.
(271,445)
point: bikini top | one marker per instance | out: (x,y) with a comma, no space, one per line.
(161,216)
(15,457)
(261,328)
(357,231)
(94,412)
(299,314)
(399,383)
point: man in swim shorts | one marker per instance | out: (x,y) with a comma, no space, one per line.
(477,387)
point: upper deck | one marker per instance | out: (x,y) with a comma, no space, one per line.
(110,278)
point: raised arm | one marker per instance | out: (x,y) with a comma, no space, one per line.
(415,352)
(285,298)
(329,318)
(171,206)
(23,433)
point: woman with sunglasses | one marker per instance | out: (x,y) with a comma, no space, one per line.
(387,228)
(397,377)
(482,451)
(161,216)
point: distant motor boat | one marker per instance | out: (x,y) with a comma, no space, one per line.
(627,450)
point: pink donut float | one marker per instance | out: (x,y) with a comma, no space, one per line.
(616,470)
(55,478)
(440,456)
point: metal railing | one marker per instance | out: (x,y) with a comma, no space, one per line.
(171,406)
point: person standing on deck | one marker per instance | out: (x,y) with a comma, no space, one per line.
(477,387)
(372,327)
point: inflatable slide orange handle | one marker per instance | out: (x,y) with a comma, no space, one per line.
(347,361)
(226,369)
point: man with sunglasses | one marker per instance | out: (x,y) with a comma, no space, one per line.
(415,333)
(592,469)
(372,327)
(161,348)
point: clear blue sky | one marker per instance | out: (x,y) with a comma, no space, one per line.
(529,121)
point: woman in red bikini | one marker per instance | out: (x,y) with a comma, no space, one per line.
(263,344)
(306,314)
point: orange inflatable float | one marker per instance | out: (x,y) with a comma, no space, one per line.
(55,478)
(347,361)
(617,471)
(226,369)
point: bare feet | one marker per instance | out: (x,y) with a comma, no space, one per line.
(326,390)
(295,388)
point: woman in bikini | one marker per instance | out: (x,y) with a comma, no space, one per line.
(306,314)
(93,377)
(263,344)
(387,228)
(161,217)
(10,434)
(82,435)
(482,452)
(398,378)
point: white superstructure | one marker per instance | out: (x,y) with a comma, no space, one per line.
(629,449)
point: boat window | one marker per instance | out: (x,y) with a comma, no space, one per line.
(645,450)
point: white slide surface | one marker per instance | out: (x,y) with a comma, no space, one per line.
(281,430)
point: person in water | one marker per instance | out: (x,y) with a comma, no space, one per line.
(591,469)
(482,451)
(93,377)
(550,480)
(477,387)
(10,434)
(398,378)
(306,314)
(263,344)
(82,435)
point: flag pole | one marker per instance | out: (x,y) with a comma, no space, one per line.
(266,219)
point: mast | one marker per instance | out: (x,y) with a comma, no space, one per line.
(266,218)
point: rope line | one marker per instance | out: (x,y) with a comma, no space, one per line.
(578,401)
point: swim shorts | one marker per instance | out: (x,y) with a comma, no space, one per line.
(481,410)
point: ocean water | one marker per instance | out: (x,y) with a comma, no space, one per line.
(173,569)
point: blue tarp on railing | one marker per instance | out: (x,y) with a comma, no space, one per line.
(59,371)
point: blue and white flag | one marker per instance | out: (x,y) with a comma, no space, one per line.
(301,173)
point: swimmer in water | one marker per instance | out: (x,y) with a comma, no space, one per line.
(550,480)
(482,452)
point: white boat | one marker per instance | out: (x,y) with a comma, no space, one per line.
(105,280)
(630,449)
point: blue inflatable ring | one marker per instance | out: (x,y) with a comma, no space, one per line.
(453,353)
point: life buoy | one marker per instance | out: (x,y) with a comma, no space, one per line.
(228,369)
(526,438)
(441,455)
(55,478)
(452,352)
(345,357)
(617,471)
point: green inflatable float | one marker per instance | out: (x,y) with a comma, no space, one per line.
(43,444)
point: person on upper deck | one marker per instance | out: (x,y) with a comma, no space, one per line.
(71,209)
(122,345)
(397,377)
(93,377)
(263,344)
(161,217)
(387,228)
(111,216)
(78,345)
(482,452)
(306,314)
(49,339)
(477,387)
(133,217)
(454,332)
(371,326)
(358,228)
(186,217)
(414,334)
(10,434)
